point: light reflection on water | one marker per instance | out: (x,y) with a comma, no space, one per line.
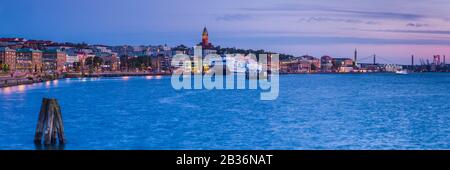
(21,88)
(6,90)
(47,84)
(25,87)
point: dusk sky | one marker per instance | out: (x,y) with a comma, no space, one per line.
(393,29)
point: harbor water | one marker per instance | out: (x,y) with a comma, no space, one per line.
(313,111)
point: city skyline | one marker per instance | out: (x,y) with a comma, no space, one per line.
(397,31)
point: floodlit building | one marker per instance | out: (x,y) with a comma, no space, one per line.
(345,69)
(28,60)
(8,58)
(392,67)
(53,60)
(326,63)
(110,61)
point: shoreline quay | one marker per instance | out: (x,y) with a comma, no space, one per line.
(16,81)
(117,74)
(11,82)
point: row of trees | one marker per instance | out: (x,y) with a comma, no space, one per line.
(94,61)
(135,62)
(4,67)
(132,62)
(140,62)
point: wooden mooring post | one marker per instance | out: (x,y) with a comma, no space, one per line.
(50,124)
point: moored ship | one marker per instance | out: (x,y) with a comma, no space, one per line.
(403,71)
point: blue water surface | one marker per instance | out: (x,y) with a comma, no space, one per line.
(319,111)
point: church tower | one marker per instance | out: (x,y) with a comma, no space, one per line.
(205,42)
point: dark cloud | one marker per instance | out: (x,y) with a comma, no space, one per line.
(319,40)
(344,20)
(233,17)
(444,32)
(358,13)
(381,14)
(416,25)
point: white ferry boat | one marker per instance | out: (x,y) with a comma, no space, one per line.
(403,71)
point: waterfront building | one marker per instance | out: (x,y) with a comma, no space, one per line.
(369,67)
(289,67)
(110,61)
(78,60)
(53,60)
(305,66)
(326,63)
(28,60)
(392,67)
(343,64)
(345,69)
(71,59)
(160,63)
(8,57)
(82,59)
(295,66)
(315,63)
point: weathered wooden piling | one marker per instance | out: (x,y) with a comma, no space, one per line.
(50,124)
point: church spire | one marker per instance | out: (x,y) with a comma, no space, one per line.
(205,31)
(205,38)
